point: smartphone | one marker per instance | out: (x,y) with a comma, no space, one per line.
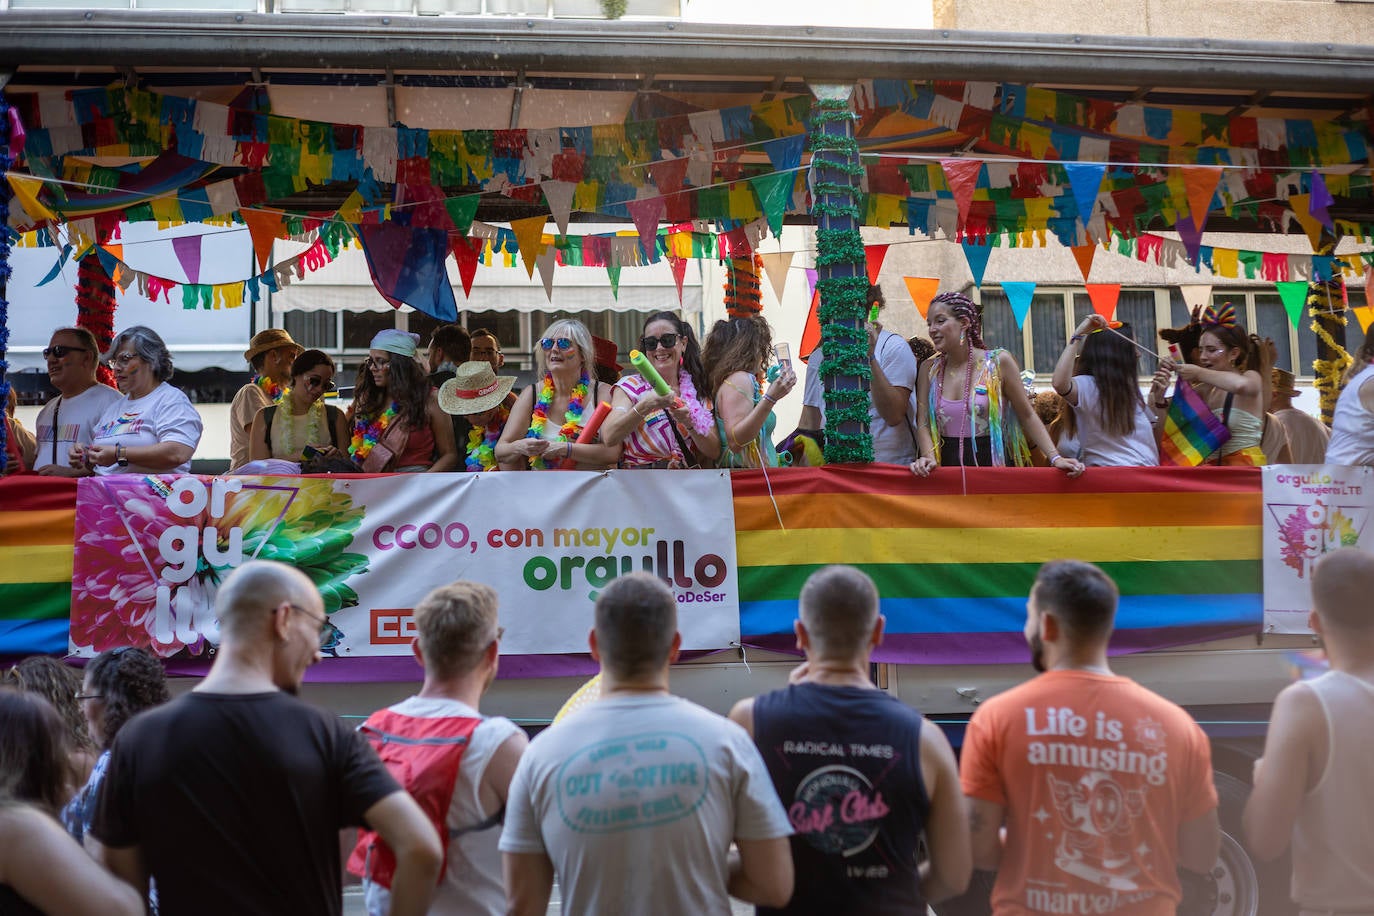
(783,352)
(311,452)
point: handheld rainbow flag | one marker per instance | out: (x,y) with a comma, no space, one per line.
(1191,431)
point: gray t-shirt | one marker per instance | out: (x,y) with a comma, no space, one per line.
(636,800)
(891,444)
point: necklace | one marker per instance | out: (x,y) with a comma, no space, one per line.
(572,417)
(368,432)
(285,426)
(481,452)
(273,390)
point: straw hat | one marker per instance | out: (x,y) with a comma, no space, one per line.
(1283,381)
(270,339)
(474,388)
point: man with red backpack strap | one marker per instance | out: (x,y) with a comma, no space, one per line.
(456,762)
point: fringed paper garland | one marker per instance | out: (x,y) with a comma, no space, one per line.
(743,296)
(95,307)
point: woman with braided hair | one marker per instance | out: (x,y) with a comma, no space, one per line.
(1232,376)
(974,405)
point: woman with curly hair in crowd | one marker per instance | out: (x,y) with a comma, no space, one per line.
(59,684)
(736,354)
(1232,376)
(1352,425)
(42,869)
(396,422)
(1098,376)
(674,430)
(119,684)
(974,409)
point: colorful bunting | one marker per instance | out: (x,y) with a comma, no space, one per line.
(187,248)
(962,177)
(1104,297)
(1083,255)
(776,267)
(1019,295)
(1294,296)
(407,267)
(922,290)
(529,239)
(977,257)
(1321,199)
(1085,180)
(1201,184)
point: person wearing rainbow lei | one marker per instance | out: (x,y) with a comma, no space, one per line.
(549,415)
(395,416)
(271,353)
(675,430)
(479,394)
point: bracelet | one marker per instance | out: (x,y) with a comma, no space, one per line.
(1055,457)
(1075,338)
(769,398)
(568,451)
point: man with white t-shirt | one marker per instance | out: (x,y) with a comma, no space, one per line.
(72,356)
(457,643)
(634,800)
(893,365)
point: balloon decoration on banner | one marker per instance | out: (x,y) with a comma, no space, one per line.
(1294,296)
(1104,297)
(977,257)
(1019,295)
(922,290)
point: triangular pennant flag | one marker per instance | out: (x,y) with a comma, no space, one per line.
(263,227)
(679,267)
(1104,296)
(1019,295)
(187,248)
(1321,199)
(545,263)
(774,192)
(646,212)
(1294,296)
(1085,180)
(1200,181)
(1365,315)
(922,290)
(61,261)
(785,152)
(1301,205)
(1084,255)
(407,267)
(811,331)
(874,255)
(559,196)
(27,189)
(776,267)
(977,257)
(962,177)
(462,210)
(613,272)
(529,239)
(466,252)
(1191,236)
(1196,295)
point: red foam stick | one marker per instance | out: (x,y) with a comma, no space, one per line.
(589,431)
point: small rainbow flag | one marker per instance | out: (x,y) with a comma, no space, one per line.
(1191,431)
(954,568)
(37,518)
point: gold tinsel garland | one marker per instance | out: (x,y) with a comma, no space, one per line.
(1328,373)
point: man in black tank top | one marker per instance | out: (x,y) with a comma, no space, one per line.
(861,774)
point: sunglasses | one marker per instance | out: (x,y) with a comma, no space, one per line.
(377,363)
(123,359)
(314,381)
(59,351)
(562,343)
(667,341)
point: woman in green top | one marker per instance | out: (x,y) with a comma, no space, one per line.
(736,353)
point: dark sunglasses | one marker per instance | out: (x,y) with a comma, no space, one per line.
(59,351)
(562,343)
(667,341)
(314,381)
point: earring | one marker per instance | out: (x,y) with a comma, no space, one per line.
(961,337)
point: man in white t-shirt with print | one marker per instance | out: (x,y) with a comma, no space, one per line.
(894,379)
(72,356)
(457,643)
(634,800)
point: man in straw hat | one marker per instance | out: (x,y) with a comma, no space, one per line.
(1307,436)
(270,353)
(476,398)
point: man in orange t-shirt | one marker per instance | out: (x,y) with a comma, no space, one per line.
(1104,787)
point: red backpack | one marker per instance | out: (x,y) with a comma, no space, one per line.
(423,754)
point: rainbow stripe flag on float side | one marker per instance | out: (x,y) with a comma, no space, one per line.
(36,530)
(954,570)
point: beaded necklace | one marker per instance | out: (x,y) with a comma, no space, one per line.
(367,433)
(572,418)
(481,452)
(285,424)
(273,390)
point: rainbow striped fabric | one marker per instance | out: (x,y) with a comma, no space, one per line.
(37,517)
(954,569)
(1191,431)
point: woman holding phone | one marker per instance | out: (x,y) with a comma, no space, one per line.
(306,422)
(673,430)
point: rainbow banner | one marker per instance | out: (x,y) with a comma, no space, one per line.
(954,555)
(37,516)
(1191,431)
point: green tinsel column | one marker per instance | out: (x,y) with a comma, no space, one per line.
(842,279)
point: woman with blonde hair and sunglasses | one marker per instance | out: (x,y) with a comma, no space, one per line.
(302,419)
(549,415)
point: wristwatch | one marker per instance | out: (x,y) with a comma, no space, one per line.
(120,458)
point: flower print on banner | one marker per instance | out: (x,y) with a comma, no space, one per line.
(151,552)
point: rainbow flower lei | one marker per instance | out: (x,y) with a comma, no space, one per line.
(481,453)
(273,390)
(702,420)
(572,419)
(367,433)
